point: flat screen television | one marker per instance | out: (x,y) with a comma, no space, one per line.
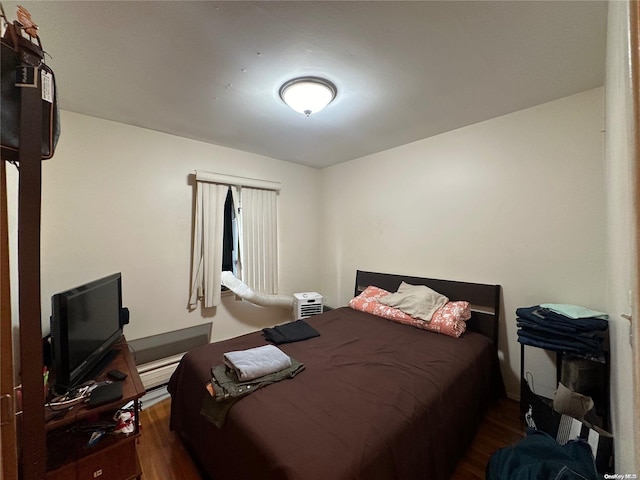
(85,323)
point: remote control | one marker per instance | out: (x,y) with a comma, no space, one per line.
(116,375)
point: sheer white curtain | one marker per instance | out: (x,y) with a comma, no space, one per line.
(258,237)
(207,244)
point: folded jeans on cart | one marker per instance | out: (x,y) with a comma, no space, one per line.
(546,316)
(556,328)
(575,345)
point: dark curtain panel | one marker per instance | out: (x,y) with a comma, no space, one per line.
(227,243)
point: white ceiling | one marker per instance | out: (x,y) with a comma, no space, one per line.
(211,71)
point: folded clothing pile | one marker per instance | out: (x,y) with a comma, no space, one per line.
(415,305)
(244,372)
(563,328)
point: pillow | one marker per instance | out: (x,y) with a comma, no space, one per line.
(452,312)
(368,301)
(419,301)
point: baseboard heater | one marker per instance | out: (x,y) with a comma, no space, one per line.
(158,356)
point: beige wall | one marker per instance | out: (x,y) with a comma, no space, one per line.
(619,156)
(517,200)
(119,198)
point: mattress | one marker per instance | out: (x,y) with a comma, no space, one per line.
(376,400)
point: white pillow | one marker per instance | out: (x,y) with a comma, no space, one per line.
(417,301)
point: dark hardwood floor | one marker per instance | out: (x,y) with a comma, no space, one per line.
(500,427)
(163,457)
(161,452)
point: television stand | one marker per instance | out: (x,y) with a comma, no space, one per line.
(114,456)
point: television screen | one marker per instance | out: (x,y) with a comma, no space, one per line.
(85,323)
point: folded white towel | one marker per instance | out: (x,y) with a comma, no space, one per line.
(257,362)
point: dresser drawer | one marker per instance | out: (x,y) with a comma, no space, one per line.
(118,462)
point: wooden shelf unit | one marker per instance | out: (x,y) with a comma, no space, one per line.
(114,456)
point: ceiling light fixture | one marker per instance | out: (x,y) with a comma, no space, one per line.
(308,94)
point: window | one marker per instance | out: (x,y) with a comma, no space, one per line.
(235,229)
(230,237)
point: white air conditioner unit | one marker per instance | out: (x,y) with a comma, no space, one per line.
(306,304)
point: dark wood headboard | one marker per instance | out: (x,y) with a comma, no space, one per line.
(484,298)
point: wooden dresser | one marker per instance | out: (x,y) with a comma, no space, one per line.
(114,456)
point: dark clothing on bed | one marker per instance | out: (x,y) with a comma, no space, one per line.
(290,332)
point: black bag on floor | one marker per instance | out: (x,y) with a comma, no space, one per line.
(541,416)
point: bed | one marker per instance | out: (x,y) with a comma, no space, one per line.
(376,400)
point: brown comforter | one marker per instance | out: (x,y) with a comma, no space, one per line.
(377,400)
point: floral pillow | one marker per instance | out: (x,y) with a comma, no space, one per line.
(453,312)
(367,301)
(448,320)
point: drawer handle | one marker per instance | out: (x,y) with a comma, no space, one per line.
(6,409)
